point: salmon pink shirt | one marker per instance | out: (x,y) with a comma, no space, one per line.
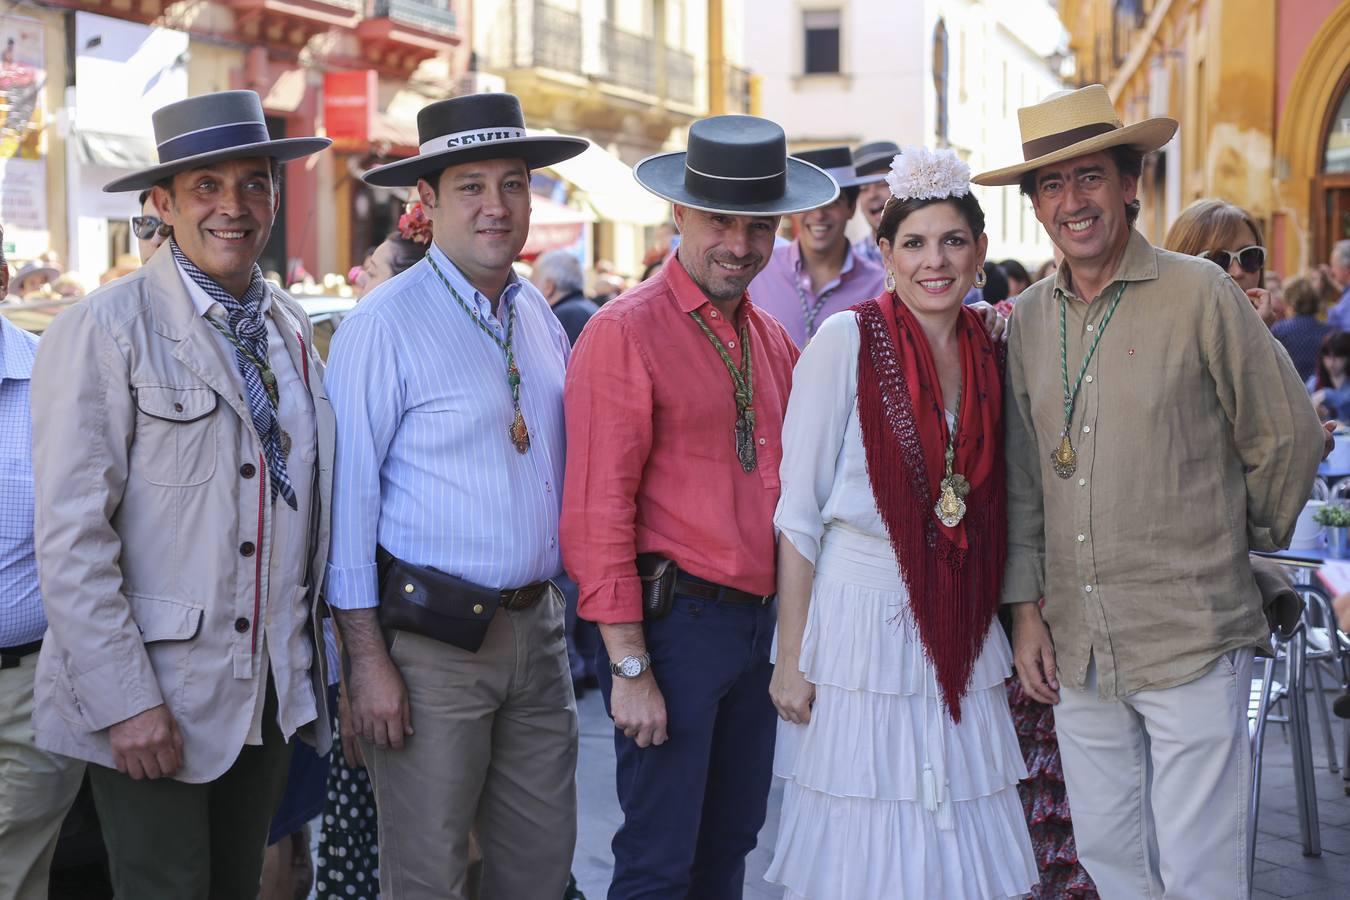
(651,445)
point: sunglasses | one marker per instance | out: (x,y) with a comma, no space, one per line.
(144,227)
(1251,259)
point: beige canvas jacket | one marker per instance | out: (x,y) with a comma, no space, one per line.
(153,528)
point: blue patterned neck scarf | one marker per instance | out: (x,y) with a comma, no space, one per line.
(248,334)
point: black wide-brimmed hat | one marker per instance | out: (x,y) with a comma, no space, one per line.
(837,162)
(211,128)
(875,158)
(469,128)
(737,165)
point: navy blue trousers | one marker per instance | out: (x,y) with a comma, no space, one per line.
(693,806)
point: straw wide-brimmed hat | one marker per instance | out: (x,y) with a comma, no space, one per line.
(837,162)
(738,166)
(471,128)
(1075,123)
(211,128)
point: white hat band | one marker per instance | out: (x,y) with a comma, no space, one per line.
(469,138)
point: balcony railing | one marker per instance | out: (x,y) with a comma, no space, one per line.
(680,76)
(429,15)
(738,89)
(557,38)
(628,60)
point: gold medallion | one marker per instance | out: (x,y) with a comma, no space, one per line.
(1065,458)
(520,433)
(951,507)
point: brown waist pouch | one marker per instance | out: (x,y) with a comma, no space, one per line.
(433,604)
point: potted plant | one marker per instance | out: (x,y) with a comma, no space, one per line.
(1336,518)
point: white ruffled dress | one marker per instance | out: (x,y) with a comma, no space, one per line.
(862,819)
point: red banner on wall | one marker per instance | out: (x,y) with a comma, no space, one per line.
(349,100)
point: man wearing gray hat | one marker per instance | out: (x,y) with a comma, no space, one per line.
(182,455)
(869,160)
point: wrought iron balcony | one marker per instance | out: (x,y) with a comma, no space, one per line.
(557,38)
(433,16)
(680,76)
(628,61)
(738,89)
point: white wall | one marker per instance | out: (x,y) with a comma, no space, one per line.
(996,63)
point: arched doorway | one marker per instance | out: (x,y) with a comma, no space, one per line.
(1331,194)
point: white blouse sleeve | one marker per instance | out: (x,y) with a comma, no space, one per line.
(824,394)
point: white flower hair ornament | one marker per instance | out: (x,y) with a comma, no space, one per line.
(918,173)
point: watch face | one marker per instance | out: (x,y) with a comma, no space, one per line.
(630,667)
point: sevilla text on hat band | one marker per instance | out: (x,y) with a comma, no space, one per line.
(209,140)
(469,138)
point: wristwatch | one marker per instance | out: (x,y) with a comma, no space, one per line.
(631,666)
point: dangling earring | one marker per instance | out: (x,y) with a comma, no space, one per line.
(981,279)
(890,280)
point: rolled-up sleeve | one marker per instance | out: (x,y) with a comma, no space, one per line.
(608,404)
(1274,426)
(364,386)
(1024,575)
(84,416)
(824,393)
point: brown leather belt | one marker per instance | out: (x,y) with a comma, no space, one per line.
(10,656)
(706,590)
(524,597)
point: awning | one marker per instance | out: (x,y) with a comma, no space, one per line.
(553,226)
(116,151)
(607,186)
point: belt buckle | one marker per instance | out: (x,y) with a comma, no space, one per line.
(517,599)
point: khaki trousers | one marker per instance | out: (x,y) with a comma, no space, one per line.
(1158,784)
(36,790)
(495,744)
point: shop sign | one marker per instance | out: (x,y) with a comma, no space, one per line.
(349,108)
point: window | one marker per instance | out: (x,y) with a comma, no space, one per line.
(822,41)
(1336,154)
(940,80)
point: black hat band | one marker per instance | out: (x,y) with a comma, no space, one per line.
(209,140)
(736,190)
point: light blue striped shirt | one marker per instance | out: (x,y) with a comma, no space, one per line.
(21,617)
(424,459)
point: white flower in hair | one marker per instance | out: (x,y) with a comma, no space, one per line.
(918,173)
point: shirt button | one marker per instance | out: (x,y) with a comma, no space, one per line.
(731,345)
(1087,429)
(761,442)
(1081,538)
(1082,482)
(552,542)
(246,548)
(248,470)
(241,625)
(1088,379)
(548,485)
(1088,588)
(1090,327)
(714,313)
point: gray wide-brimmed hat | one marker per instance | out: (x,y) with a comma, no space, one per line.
(739,166)
(469,128)
(211,128)
(875,158)
(36,267)
(837,162)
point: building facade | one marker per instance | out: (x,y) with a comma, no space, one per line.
(1262,91)
(81,78)
(631,75)
(933,72)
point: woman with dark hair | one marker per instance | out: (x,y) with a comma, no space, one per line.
(1330,386)
(896,744)
(399,251)
(1018,279)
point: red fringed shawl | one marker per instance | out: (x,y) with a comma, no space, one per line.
(954,575)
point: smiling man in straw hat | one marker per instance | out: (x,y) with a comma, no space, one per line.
(675,402)
(1156,432)
(181,452)
(447,382)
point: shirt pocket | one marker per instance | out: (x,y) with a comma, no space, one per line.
(175,444)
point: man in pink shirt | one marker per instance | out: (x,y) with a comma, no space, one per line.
(820,273)
(674,403)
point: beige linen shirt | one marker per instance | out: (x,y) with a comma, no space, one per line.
(1196,441)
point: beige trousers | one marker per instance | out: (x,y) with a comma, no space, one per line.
(1158,785)
(495,744)
(36,790)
